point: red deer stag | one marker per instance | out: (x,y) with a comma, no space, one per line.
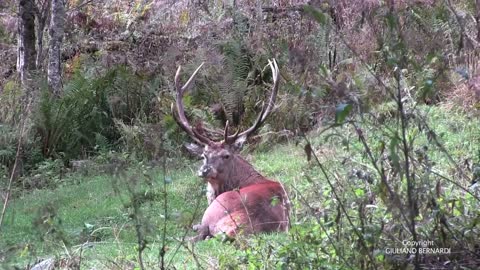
(240,199)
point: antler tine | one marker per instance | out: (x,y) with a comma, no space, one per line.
(179,113)
(266,110)
(230,139)
(273,96)
(225,133)
(190,80)
(235,136)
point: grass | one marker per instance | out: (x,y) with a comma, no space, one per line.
(92,204)
(88,210)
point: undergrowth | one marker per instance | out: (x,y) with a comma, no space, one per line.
(93,222)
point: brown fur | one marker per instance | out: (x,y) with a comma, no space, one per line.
(261,207)
(240,199)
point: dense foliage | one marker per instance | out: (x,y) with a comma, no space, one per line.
(375,133)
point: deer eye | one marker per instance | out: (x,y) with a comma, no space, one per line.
(226,156)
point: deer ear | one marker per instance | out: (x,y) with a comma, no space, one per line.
(239,142)
(194,149)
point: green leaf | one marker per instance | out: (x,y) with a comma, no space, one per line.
(393,152)
(379,256)
(275,201)
(324,70)
(391,21)
(341,112)
(317,15)
(359,192)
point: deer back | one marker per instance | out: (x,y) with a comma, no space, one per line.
(261,207)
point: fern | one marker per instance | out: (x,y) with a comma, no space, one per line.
(8,141)
(234,86)
(69,125)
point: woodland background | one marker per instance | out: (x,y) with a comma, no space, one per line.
(375,132)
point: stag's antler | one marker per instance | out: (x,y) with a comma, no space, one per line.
(196,134)
(179,114)
(229,139)
(265,109)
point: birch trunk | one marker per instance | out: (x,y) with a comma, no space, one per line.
(56,32)
(26,53)
(43,13)
(477,18)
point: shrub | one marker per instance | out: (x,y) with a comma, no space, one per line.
(69,126)
(82,120)
(8,141)
(46,174)
(10,98)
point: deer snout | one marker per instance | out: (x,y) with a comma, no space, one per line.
(205,171)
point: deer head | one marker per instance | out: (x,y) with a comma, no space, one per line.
(222,167)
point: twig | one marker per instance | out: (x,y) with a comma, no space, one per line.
(163,247)
(342,206)
(12,174)
(182,240)
(246,210)
(194,255)
(329,238)
(79,6)
(409,177)
(380,170)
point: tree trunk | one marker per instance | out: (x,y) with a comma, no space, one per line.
(56,32)
(477,18)
(43,14)
(26,53)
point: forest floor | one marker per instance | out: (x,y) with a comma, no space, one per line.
(88,218)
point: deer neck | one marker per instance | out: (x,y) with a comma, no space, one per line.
(243,174)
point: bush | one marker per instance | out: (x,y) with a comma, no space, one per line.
(8,142)
(11,100)
(46,174)
(82,120)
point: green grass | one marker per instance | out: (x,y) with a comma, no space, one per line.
(93,202)
(88,208)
